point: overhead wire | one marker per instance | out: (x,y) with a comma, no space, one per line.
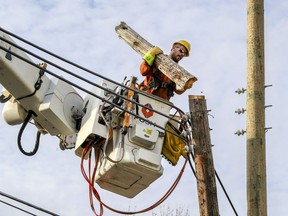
(217,177)
(86,80)
(226,194)
(61,68)
(191,165)
(83,79)
(107,90)
(27,204)
(14,206)
(55,75)
(69,62)
(220,182)
(96,85)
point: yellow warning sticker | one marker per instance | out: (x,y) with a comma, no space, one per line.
(148,131)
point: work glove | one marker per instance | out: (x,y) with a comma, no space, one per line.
(151,54)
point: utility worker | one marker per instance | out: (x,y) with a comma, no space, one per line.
(155,81)
(159,84)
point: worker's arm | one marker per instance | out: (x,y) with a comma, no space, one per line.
(145,69)
(151,54)
(148,60)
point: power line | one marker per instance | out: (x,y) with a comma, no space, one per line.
(66,61)
(89,92)
(219,180)
(86,80)
(26,203)
(227,196)
(17,207)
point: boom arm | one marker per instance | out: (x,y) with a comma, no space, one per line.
(125,128)
(51,101)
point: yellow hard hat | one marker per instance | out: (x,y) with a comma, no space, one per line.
(185,44)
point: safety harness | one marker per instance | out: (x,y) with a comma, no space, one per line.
(156,83)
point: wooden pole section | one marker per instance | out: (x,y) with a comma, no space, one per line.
(255,119)
(205,172)
(182,78)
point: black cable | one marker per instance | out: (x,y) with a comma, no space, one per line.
(17,207)
(227,196)
(36,147)
(103,88)
(69,62)
(191,166)
(4,99)
(28,204)
(83,79)
(219,180)
(101,98)
(88,81)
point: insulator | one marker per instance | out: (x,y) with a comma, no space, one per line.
(184,133)
(186,117)
(266,86)
(240,91)
(240,132)
(188,148)
(240,111)
(267,128)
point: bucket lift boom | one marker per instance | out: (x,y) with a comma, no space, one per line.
(130,159)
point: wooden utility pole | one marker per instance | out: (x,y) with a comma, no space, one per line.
(255,106)
(205,172)
(182,78)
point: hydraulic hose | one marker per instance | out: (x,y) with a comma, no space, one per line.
(36,147)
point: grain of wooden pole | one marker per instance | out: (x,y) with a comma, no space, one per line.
(205,172)
(255,119)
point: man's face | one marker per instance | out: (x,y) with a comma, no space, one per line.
(178,52)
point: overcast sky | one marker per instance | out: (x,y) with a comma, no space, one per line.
(83,31)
